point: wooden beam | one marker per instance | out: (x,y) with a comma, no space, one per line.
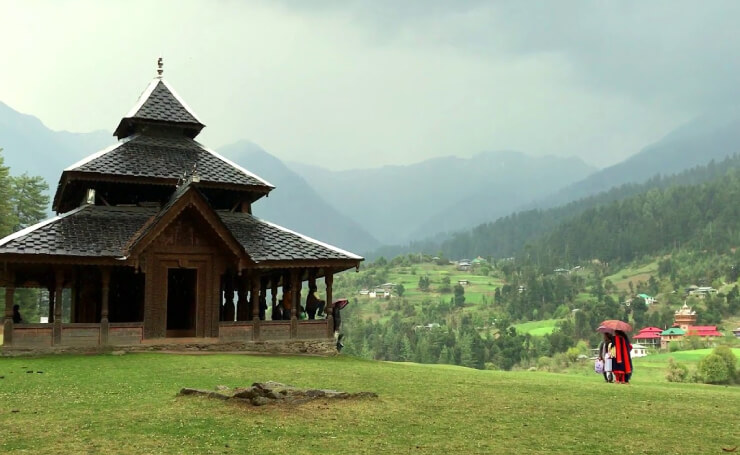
(58,302)
(329,280)
(105,291)
(9,302)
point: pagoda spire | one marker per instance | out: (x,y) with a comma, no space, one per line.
(160,106)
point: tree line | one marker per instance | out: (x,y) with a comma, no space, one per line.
(24,201)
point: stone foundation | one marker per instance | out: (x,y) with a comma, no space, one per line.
(294,347)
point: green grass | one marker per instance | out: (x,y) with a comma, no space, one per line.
(480,287)
(128,404)
(635,274)
(537,328)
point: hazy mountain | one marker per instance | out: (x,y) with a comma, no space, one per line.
(295,205)
(29,146)
(401,203)
(710,137)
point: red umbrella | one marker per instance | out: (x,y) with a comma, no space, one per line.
(610,325)
(341,303)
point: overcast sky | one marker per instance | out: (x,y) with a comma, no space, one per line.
(345,84)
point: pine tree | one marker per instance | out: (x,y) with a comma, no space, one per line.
(30,199)
(7,216)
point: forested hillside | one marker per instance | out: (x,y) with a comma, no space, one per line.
(573,266)
(508,236)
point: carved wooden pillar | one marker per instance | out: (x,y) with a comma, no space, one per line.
(254,296)
(287,299)
(329,280)
(295,286)
(52,296)
(9,301)
(274,288)
(229,297)
(242,304)
(263,297)
(104,297)
(58,302)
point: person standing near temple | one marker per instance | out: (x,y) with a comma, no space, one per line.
(17,318)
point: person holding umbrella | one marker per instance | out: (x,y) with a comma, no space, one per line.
(622,361)
(620,352)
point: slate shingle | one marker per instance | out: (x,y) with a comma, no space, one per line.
(265,241)
(101,231)
(169,158)
(162,105)
(92,231)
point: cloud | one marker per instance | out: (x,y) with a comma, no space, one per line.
(365,83)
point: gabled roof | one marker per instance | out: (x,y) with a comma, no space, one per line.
(116,232)
(672,331)
(186,196)
(704,331)
(264,241)
(159,103)
(91,231)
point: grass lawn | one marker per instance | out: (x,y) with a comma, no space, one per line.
(127,404)
(537,328)
(622,278)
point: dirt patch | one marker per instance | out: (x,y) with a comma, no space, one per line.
(265,393)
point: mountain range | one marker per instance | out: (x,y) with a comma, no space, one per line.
(295,204)
(401,203)
(29,146)
(362,209)
(712,136)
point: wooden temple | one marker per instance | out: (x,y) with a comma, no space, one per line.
(154,242)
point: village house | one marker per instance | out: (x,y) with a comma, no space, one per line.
(649,336)
(700,291)
(155,243)
(648,299)
(464,265)
(683,325)
(638,350)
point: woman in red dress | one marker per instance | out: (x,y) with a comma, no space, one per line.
(622,360)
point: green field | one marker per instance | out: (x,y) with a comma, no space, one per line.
(479,289)
(537,328)
(634,274)
(128,404)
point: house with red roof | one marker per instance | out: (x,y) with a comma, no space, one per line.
(649,336)
(704,331)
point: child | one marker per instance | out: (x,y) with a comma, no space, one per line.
(605,354)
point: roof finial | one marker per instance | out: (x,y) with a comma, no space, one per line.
(160,65)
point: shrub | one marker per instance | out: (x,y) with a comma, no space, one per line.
(713,370)
(730,360)
(677,372)
(544,363)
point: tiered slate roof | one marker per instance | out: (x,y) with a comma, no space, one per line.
(156,146)
(165,158)
(160,104)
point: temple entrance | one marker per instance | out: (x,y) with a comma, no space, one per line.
(181,302)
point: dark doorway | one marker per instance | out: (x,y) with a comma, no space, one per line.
(181,302)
